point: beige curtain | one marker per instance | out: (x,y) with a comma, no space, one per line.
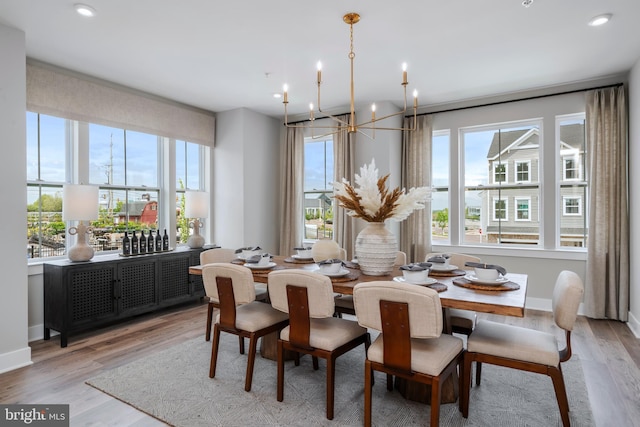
(291,182)
(607,280)
(415,231)
(344,154)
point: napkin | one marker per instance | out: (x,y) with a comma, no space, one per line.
(330,261)
(416,266)
(248,248)
(308,248)
(256,258)
(439,259)
(500,269)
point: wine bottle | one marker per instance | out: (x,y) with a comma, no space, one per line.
(134,244)
(158,241)
(126,244)
(165,241)
(150,242)
(142,246)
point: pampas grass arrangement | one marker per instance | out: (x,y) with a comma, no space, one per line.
(373,201)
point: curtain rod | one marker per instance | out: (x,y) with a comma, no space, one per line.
(517,100)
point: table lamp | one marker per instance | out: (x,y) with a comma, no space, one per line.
(80,202)
(196,207)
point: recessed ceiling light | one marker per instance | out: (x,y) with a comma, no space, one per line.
(600,20)
(85,10)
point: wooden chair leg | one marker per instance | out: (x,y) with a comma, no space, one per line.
(214,351)
(253,343)
(241,343)
(466,384)
(207,335)
(296,359)
(368,374)
(478,372)
(389,382)
(280,357)
(331,380)
(316,366)
(561,394)
(436,388)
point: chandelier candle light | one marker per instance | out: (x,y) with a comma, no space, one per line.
(80,202)
(196,207)
(350,125)
(376,247)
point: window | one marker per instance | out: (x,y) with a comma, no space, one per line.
(188,176)
(499,209)
(499,172)
(572,187)
(522,171)
(523,209)
(572,205)
(440,183)
(318,176)
(499,168)
(123,164)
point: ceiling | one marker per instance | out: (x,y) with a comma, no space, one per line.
(226,55)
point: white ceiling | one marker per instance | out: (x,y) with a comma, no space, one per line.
(216,55)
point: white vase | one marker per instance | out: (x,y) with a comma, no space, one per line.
(325,249)
(376,249)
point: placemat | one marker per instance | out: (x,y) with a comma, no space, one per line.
(451,273)
(299,261)
(265,271)
(508,286)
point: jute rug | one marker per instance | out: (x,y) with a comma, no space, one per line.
(174,386)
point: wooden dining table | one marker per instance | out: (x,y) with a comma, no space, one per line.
(454,291)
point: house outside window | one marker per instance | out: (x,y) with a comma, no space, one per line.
(318,189)
(571,168)
(499,172)
(523,209)
(522,171)
(572,205)
(500,207)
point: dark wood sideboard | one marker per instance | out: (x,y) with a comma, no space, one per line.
(85,295)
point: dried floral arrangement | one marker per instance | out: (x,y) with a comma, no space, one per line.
(373,201)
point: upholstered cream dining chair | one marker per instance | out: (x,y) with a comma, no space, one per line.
(527,349)
(411,345)
(225,255)
(307,298)
(344,303)
(231,287)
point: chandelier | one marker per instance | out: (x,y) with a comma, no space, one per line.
(350,124)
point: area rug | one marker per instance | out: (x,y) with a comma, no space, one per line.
(174,387)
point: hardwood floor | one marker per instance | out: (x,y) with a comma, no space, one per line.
(609,352)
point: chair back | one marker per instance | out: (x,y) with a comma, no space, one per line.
(425,310)
(457,259)
(567,295)
(401,258)
(217,255)
(319,291)
(241,278)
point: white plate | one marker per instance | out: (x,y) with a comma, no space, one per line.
(429,281)
(301,257)
(474,279)
(255,266)
(436,267)
(342,272)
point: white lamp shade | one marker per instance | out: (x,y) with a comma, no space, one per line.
(196,204)
(79,202)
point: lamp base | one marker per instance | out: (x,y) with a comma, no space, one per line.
(195,241)
(80,253)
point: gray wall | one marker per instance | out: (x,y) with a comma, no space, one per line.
(634,206)
(14,348)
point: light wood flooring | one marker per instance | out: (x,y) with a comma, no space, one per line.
(609,352)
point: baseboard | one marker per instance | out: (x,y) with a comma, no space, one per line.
(15,359)
(634,325)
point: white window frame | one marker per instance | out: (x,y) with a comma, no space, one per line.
(516,210)
(576,159)
(522,162)
(506,209)
(565,199)
(494,173)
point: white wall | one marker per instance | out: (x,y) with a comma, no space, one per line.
(634,205)
(14,349)
(246,176)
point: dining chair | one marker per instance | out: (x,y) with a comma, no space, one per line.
(344,303)
(411,344)
(528,349)
(210,256)
(307,298)
(231,287)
